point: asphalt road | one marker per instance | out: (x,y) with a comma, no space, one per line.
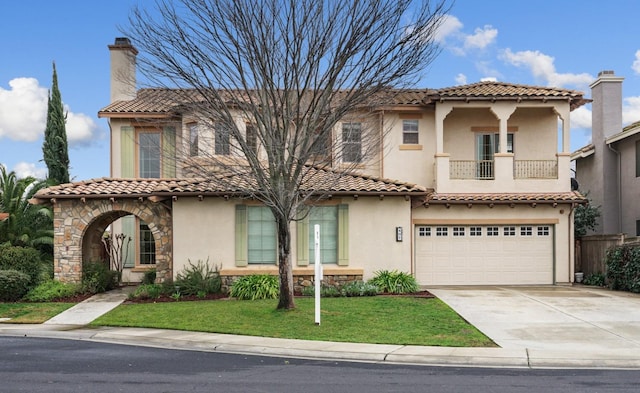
(55,365)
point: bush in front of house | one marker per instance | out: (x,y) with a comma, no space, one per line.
(325,291)
(52,290)
(97,277)
(359,288)
(149,277)
(256,286)
(14,285)
(199,279)
(393,281)
(623,268)
(22,259)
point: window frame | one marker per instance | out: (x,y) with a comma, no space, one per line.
(251,240)
(409,133)
(332,238)
(352,146)
(144,245)
(194,142)
(222,140)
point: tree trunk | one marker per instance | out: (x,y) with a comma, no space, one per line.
(284,268)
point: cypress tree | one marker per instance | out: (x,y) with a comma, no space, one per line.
(54,148)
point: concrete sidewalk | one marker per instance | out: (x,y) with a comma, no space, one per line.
(87,311)
(529,350)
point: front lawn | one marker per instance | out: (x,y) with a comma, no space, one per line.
(378,319)
(32,312)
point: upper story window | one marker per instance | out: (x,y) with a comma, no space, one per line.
(222,140)
(149,154)
(251,137)
(352,142)
(321,147)
(193,140)
(410,132)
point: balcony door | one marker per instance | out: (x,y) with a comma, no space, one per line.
(487,145)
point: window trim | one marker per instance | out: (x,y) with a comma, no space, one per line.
(139,245)
(408,132)
(347,144)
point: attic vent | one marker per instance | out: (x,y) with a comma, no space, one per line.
(122,41)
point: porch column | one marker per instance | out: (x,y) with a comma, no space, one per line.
(503,160)
(441,158)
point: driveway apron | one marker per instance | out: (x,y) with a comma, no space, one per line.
(557,318)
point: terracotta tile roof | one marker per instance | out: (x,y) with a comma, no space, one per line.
(506,198)
(510,91)
(4,216)
(583,152)
(234,185)
(164,102)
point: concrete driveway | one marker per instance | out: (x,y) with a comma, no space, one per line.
(550,318)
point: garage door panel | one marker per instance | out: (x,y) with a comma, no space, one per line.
(514,255)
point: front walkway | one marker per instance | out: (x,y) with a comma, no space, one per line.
(85,312)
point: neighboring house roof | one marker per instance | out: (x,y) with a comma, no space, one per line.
(583,152)
(505,198)
(627,131)
(137,188)
(4,216)
(164,102)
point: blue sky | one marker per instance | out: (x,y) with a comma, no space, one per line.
(543,42)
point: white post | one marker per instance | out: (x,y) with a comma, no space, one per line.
(317,270)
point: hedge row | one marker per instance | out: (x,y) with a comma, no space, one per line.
(623,268)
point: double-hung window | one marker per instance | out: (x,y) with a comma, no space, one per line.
(149,154)
(261,236)
(410,132)
(327,218)
(147,254)
(193,140)
(352,142)
(222,140)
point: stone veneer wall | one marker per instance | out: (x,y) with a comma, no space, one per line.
(301,281)
(78,225)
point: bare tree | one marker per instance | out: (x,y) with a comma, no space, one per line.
(291,70)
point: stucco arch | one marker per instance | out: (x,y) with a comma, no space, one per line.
(79,224)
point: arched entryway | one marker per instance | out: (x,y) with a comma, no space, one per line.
(79,225)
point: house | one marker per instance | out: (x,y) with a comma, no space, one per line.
(481,192)
(608,169)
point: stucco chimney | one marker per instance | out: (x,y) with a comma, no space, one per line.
(123,70)
(606,108)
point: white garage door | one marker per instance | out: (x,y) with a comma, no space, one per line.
(484,255)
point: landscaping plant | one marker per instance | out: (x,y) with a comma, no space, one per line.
(359,288)
(623,268)
(394,282)
(13,285)
(255,286)
(97,278)
(198,278)
(52,290)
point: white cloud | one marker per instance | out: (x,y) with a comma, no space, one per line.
(542,68)
(24,169)
(636,63)
(489,79)
(630,110)
(450,26)
(481,38)
(461,79)
(23,110)
(23,114)
(581,118)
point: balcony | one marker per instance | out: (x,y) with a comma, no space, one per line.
(484,169)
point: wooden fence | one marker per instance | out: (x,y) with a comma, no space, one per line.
(591,251)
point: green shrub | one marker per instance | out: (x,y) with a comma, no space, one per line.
(325,291)
(623,268)
(149,277)
(13,285)
(52,290)
(97,278)
(394,282)
(149,291)
(595,279)
(359,288)
(22,259)
(198,278)
(256,286)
